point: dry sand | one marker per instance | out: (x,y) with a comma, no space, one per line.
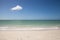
(30,35)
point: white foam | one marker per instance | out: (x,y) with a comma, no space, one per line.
(27,28)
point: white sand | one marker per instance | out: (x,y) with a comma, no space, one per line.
(30,35)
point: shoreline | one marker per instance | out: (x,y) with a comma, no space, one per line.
(29,28)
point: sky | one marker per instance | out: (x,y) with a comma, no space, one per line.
(29,9)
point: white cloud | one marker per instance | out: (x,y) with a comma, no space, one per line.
(16,8)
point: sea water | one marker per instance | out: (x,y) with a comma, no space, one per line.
(30,23)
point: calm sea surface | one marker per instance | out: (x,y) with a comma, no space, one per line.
(30,23)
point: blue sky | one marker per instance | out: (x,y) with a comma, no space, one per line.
(32,10)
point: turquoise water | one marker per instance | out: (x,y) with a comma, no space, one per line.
(35,23)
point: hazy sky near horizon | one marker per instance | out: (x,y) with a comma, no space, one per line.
(31,10)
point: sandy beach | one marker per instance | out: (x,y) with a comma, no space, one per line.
(29,34)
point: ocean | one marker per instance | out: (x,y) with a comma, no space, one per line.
(30,23)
